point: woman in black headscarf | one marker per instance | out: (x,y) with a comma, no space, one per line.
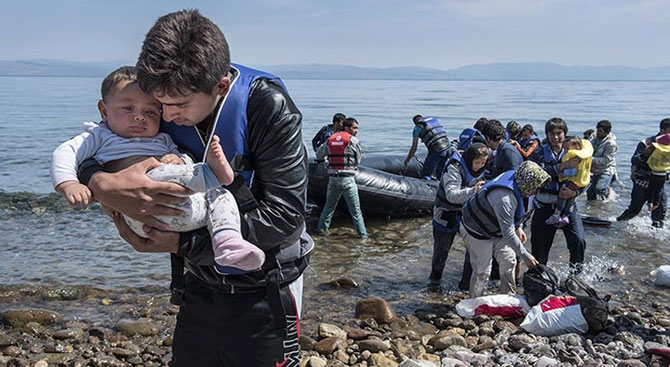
(462,177)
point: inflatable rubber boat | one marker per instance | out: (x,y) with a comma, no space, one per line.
(385,187)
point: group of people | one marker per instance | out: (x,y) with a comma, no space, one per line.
(227,178)
(497,178)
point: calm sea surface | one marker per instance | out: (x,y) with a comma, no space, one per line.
(47,245)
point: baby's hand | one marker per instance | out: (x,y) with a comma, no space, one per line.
(76,193)
(171,159)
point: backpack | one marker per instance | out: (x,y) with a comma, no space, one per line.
(538,283)
(595,309)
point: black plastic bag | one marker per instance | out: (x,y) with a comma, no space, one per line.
(538,283)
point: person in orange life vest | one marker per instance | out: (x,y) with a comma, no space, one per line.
(344,154)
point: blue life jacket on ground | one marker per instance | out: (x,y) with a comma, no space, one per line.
(230,124)
(465,139)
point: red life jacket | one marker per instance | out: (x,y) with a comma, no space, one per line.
(339,158)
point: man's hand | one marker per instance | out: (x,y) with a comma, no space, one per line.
(171,159)
(515,144)
(133,193)
(479,185)
(531,263)
(521,234)
(158,241)
(75,193)
(649,149)
(566,193)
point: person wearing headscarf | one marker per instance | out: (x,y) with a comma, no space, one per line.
(462,177)
(492,225)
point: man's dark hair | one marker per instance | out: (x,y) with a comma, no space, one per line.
(339,117)
(417,118)
(183,53)
(556,123)
(494,130)
(350,121)
(513,128)
(528,128)
(479,125)
(124,73)
(605,125)
(665,124)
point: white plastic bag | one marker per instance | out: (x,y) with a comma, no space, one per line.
(662,275)
(555,316)
(499,304)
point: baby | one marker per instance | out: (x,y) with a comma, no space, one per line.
(575,179)
(659,163)
(129,133)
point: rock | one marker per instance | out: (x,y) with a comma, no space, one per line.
(485,346)
(306,343)
(41,363)
(374,346)
(58,358)
(546,362)
(416,363)
(107,361)
(407,348)
(330,330)
(631,363)
(341,356)
(487,331)
(328,345)
(375,308)
(663,322)
(316,362)
(468,324)
(520,341)
(542,350)
(378,359)
(447,341)
(98,332)
(77,334)
(359,334)
(123,353)
(500,325)
(343,283)
(424,328)
(19,318)
(143,327)
(451,362)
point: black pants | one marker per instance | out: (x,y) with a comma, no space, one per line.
(215,329)
(542,236)
(638,197)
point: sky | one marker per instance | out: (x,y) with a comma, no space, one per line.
(376,33)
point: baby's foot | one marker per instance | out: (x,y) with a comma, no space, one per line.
(232,251)
(564,221)
(217,161)
(555,218)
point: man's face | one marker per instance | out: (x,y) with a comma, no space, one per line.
(129,112)
(556,138)
(193,108)
(601,133)
(353,130)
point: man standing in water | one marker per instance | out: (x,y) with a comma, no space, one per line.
(432,134)
(344,154)
(603,166)
(326,131)
(641,174)
(250,319)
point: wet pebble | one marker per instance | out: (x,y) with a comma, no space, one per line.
(19,318)
(143,327)
(375,308)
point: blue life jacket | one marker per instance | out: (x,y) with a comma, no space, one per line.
(230,124)
(447,215)
(480,219)
(433,135)
(548,159)
(525,143)
(465,139)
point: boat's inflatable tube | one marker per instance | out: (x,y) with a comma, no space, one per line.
(596,222)
(383,190)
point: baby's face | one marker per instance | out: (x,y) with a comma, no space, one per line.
(572,145)
(131,113)
(526,134)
